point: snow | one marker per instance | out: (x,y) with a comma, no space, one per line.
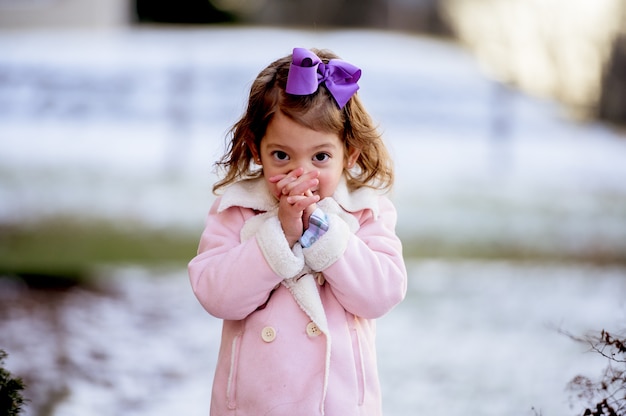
(478,337)
(125,125)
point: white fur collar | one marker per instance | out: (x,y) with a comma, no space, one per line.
(253,194)
(250,193)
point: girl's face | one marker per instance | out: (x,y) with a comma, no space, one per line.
(287,146)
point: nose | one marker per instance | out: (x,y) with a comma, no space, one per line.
(304,163)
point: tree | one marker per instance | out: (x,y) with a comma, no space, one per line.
(11,400)
(612,106)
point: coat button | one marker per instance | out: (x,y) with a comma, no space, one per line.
(312,329)
(268,334)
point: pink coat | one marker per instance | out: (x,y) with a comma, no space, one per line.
(298,335)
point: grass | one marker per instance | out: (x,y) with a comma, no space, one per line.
(514,251)
(65,250)
(494,224)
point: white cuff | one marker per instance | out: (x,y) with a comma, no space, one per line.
(275,248)
(330,247)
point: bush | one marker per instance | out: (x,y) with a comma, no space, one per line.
(11,399)
(607,395)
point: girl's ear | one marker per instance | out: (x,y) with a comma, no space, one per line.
(353,155)
(255,153)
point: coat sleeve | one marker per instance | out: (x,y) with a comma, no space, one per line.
(231,278)
(365,270)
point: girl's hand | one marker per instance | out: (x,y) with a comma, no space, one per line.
(296,182)
(308,211)
(296,201)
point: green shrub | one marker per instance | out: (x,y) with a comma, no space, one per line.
(11,400)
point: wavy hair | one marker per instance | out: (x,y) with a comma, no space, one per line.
(318,111)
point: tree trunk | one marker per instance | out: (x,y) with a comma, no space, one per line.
(612,105)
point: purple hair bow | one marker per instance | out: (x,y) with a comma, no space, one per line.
(307,71)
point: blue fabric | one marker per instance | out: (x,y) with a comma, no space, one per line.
(318,225)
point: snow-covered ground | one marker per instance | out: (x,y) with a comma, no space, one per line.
(125,126)
(471,338)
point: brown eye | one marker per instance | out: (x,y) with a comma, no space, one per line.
(280,155)
(321,157)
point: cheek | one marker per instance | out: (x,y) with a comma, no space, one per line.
(328,184)
(272,187)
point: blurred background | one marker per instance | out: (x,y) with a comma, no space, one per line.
(506,122)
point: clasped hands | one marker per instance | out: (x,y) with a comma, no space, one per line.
(296,201)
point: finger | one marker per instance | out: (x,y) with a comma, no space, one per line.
(301,202)
(294,173)
(301,183)
(292,199)
(301,187)
(310,175)
(277,178)
(284,180)
(287,209)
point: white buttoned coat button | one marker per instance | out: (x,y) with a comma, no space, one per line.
(268,334)
(312,329)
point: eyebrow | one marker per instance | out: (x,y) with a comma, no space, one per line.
(325,146)
(322,146)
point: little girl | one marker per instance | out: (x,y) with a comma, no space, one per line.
(299,254)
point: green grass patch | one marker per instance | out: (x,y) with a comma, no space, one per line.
(517,251)
(69,249)
(62,252)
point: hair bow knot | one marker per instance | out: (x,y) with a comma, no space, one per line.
(307,72)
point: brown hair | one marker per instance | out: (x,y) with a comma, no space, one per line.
(317,111)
